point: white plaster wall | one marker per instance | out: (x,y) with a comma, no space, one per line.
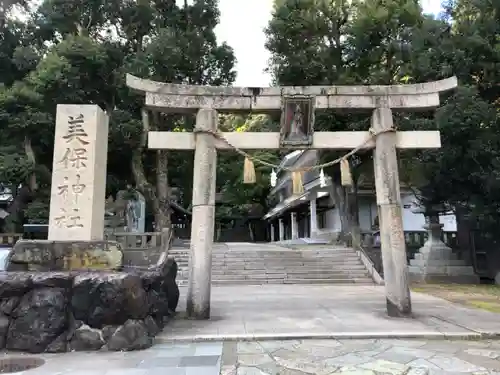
(449,221)
(411,221)
(332,220)
(368,212)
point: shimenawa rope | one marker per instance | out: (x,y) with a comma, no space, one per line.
(218,135)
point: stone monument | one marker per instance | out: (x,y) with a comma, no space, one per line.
(77,201)
(78,190)
(57,301)
(436,261)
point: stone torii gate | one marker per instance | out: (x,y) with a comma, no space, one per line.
(207,101)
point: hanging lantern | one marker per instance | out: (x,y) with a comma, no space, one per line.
(322,179)
(274,178)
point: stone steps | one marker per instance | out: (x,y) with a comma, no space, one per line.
(304,271)
(251,264)
(363,281)
(285,273)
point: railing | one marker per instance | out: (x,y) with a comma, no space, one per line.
(10,239)
(143,251)
(415,238)
(414,241)
(373,267)
(139,241)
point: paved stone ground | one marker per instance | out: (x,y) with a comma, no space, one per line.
(313,311)
(361,357)
(161,359)
(292,357)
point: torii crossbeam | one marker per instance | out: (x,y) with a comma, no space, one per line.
(297,105)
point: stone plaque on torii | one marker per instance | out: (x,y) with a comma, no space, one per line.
(297,106)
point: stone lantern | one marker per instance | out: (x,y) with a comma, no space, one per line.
(435,261)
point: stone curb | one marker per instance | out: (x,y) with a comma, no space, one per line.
(332,336)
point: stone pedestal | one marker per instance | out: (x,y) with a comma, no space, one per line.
(436,262)
(295,226)
(281,229)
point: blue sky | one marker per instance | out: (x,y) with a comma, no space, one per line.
(242,24)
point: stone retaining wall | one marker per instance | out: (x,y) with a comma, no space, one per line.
(65,310)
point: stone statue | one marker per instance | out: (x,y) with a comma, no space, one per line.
(297,124)
(132,216)
(297,121)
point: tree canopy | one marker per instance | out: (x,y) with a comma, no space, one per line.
(394,42)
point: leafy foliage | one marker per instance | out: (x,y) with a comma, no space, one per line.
(80,51)
(391,42)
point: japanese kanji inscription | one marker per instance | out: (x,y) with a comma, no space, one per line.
(79,174)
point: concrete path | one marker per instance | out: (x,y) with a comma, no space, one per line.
(161,359)
(361,357)
(331,311)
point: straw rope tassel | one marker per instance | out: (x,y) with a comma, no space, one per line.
(249,172)
(345,173)
(297,186)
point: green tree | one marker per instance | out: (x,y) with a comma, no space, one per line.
(25,134)
(476,28)
(242,199)
(339,42)
(182,48)
(92,46)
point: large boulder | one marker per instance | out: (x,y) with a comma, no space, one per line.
(85,310)
(85,338)
(39,318)
(133,335)
(105,298)
(14,284)
(161,287)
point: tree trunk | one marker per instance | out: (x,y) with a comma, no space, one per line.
(339,194)
(353,216)
(347,203)
(162,209)
(14,222)
(465,233)
(141,182)
(162,215)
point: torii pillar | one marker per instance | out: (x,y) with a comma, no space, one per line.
(381,100)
